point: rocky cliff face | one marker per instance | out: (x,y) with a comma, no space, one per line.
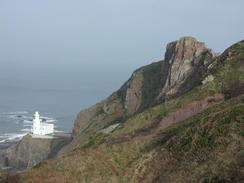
(185,65)
(137,93)
(141,90)
(186,62)
(29,152)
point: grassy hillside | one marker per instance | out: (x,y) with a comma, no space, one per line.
(207,147)
(196,137)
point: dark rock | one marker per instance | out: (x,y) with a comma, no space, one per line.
(30,151)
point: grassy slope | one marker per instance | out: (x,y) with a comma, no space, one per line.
(208,147)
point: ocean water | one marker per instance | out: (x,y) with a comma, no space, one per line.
(58,95)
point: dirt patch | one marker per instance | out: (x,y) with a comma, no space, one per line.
(181,114)
(190,110)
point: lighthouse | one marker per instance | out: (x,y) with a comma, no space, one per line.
(36,123)
(40,128)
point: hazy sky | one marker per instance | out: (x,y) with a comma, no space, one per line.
(117,35)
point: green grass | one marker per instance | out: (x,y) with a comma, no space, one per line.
(207,145)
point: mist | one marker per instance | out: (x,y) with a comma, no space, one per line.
(106,40)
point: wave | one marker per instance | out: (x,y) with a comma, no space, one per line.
(48,119)
(27,121)
(22,121)
(25,115)
(12,137)
(27,125)
(26,130)
(19,117)
(59,131)
(15,112)
(45,117)
(14,116)
(51,121)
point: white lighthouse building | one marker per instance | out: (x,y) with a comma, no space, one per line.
(40,128)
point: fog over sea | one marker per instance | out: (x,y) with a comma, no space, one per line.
(58,94)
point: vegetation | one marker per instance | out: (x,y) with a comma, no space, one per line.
(204,147)
(208,147)
(2,177)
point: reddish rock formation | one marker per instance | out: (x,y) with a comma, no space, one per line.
(185,59)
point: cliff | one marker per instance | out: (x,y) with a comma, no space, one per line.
(185,65)
(30,151)
(176,120)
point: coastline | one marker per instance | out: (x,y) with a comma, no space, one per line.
(30,150)
(7,144)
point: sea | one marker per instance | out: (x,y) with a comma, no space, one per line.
(57,94)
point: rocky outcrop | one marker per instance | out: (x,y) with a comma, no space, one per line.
(136,94)
(186,62)
(30,151)
(99,116)
(142,88)
(185,65)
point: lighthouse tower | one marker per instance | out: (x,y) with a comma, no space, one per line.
(36,123)
(40,128)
